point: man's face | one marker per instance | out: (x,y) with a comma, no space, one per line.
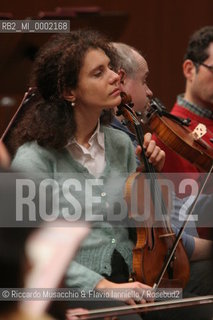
(202,83)
(136,85)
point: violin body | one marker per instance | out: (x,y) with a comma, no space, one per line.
(178,271)
(180,139)
(159,259)
(155,238)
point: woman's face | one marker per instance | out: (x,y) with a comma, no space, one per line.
(98,85)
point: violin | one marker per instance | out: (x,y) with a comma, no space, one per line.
(175,133)
(152,262)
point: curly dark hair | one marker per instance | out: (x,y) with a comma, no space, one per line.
(50,121)
(197,49)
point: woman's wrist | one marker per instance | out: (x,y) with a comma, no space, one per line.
(104,284)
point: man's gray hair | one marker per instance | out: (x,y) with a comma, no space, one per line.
(126,58)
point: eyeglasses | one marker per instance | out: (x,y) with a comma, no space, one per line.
(207,66)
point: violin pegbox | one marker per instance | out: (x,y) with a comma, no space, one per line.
(199,131)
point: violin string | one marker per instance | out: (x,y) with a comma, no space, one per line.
(157,199)
(155,189)
(154,185)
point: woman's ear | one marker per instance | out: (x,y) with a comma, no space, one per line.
(69,95)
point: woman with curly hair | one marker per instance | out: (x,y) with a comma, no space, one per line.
(64,134)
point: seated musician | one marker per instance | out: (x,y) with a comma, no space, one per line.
(134,73)
(65,136)
(196,103)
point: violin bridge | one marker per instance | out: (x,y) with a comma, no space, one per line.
(199,131)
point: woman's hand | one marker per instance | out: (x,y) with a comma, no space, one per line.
(129,292)
(155,155)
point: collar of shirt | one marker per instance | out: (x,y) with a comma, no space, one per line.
(194,108)
(93,158)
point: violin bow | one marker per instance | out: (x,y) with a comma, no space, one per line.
(145,307)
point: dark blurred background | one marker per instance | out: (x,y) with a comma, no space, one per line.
(159,28)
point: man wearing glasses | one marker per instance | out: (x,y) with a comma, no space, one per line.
(197,101)
(196,104)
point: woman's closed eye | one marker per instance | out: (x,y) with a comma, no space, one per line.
(98,73)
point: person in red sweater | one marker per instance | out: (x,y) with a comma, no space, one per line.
(197,101)
(134,72)
(197,105)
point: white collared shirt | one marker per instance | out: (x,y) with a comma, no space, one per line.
(93,158)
